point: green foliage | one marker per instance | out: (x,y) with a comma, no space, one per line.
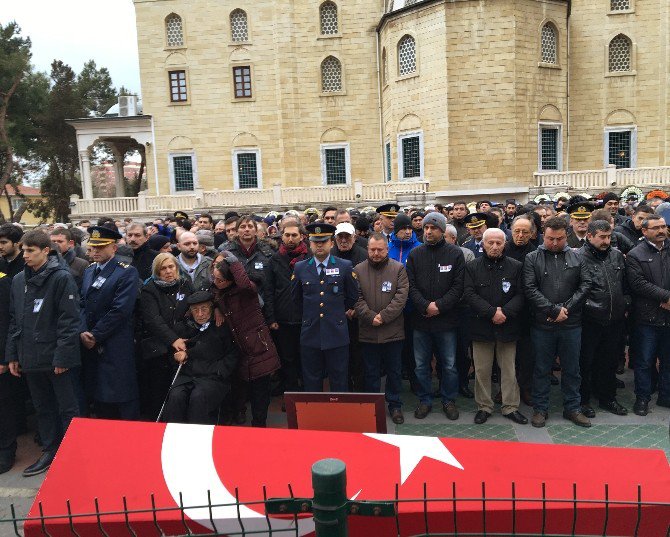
(95,89)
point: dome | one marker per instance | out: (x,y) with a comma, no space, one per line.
(114,109)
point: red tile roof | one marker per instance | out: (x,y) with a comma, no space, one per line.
(25,190)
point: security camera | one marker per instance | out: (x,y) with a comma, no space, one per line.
(613,183)
(358,196)
(147,144)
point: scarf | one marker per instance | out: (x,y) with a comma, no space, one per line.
(247,253)
(165,285)
(297,254)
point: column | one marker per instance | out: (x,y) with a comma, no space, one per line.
(86,183)
(118,171)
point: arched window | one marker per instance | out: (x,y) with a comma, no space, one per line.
(239,29)
(328,16)
(385,69)
(549,44)
(619,54)
(406,55)
(174,30)
(331,75)
(619,5)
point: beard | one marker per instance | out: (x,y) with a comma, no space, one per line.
(190,255)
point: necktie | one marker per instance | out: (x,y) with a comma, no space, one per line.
(96,271)
(320,268)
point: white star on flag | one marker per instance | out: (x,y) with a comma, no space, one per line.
(415,448)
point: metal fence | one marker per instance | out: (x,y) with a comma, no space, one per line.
(332,513)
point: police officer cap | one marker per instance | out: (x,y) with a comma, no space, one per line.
(180,215)
(102,236)
(390,210)
(320,232)
(475,220)
(581,210)
(199,297)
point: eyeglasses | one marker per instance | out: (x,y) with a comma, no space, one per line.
(656,228)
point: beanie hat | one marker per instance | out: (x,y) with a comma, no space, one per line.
(401,221)
(436,219)
(156,242)
(362,224)
(609,197)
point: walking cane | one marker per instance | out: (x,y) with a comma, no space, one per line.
(168,393)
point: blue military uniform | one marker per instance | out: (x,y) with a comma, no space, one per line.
(108,298)
(324,300)
(477,249)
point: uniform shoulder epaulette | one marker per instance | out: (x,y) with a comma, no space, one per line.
(123,265)
(2,274)
(91,264)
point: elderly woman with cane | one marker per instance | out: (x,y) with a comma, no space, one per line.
(205,367)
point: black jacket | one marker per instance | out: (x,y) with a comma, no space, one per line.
(607,297)
(519,252)
(489,284)
(627,229)
(13,267)
(143,259)
(648,271)
(622,243)
(555,280)
(44,318)
(77,266)
(356,255)
(435,273)
(161,308)
(279,304)
(10,386)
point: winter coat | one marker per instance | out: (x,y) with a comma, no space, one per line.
(143,259)
(400,249)
(435,273)
(383,289)
(554,280)
(489,284)
(10,386)
(242,311)
(279,304)
(161,308)
(648,271)
(201,278)
(607,297)
(13,267)
(77,266)
(356,255)
(255,264)
(519,252)
(44,318)
(629,231)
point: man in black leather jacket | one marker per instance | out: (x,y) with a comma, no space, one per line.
(603,319)
(556,284)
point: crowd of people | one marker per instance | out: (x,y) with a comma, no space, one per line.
(195,320)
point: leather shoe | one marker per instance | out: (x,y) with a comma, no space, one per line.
(42,465)
(539,419)
(450,410)
(517,417)
(663,402)
(588,411)
(421,411)
(465,391)
(6,466)
(481,416)
(641,408)
(397,417)
(614,407)
(577,418)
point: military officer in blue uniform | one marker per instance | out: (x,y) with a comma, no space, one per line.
(325,290)
(476,224)
(108,294)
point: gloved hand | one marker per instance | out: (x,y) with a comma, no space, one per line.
(229,257)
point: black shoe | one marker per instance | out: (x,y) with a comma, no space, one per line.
(465,391)
(517,417)
(450,410)
(421,411)
(554,380)
(42,465)
(620,384)
(663,402)
(6,466)
(481,416)
(641,408)
(397,417)
(614,407)
(588,411)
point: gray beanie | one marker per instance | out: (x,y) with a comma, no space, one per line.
(436,219)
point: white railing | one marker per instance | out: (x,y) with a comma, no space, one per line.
(607,178)
(275,196)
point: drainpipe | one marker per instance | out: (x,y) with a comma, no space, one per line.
(153,141)
(567,92)
(379,112)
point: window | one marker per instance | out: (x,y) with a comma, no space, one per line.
(621,147)
(620,5)
(410,2)
(239,29)
(247,168)
(385,69)
(550,148)
(335,164)
(388,162)
(183,172)
(174,31)
(410,156)
(620,54)
(406,55)
(328,16)
(331,75)
(17,203)
(549,44)
(178,91)
(242,76)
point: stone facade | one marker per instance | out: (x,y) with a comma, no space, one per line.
(471,108)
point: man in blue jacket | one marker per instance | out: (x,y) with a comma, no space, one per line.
(42,342)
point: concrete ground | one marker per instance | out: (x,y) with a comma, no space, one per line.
(646,432)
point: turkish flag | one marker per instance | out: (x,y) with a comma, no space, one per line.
(193,466)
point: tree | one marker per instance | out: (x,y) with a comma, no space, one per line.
(95,89)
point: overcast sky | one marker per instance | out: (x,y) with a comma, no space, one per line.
(75,31)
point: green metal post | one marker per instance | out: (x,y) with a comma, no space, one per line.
(330,507)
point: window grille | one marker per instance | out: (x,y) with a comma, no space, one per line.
(385,69)
(619,54)
(549,149)
(411,157)
(239,29)
(406,55)
(336,166)
(242,76)
(183,173)
(388,162)
(549,44)
(619,145)
(619,5)
(331,75)
(174,31)
(328,16)
(178,91)
(247,170)
(410,2)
